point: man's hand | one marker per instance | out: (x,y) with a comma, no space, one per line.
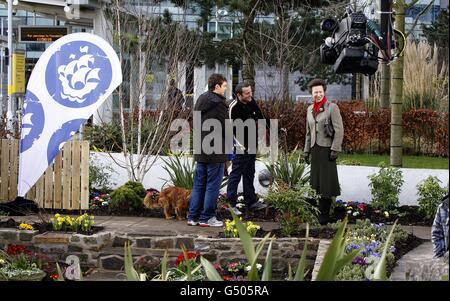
(333,155)
(307,158)
(225,170)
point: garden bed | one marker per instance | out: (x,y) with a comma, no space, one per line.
(406,215)
(42,227)
(105,250)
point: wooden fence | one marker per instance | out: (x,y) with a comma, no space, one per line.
(64,185)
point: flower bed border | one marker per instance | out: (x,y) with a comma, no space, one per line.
(105,249)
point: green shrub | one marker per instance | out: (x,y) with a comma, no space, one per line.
(294,204)
(104,137)
(430,196)
(351,272)
(182,174)
(137,187)
(100,176)
(289,169)
(129,196)
(385,187)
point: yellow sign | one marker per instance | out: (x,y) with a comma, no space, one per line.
(18,73)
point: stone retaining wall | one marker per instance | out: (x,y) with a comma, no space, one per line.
(105,249)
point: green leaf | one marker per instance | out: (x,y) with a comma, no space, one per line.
(327,271)
(289,278)
(164,274)
(211,272)
(60,273)
(380,269)
(245,237)
(300,273)
(188,262)
(131,273)
(267,273)
(346,259)
(253,273)
(193,272)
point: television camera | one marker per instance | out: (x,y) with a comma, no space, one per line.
(356,43)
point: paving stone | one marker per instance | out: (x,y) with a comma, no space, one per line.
(120,241)
(187,242)
(75,248)
(52,238)
(163,243)
(8,234)
(27,235)
(105,275)
(143,242)
(75,238)
(112,262)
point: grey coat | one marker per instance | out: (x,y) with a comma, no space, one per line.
(439,231)
(315,128)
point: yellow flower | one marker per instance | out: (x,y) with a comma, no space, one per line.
(386,214)
(57,215)
(24,226)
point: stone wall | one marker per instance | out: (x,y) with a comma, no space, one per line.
(428,270)
(105,249)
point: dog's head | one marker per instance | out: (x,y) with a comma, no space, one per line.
(151,200)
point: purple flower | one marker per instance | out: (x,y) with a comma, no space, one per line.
(339,202)
(359,260)
(392,249)
(352,247)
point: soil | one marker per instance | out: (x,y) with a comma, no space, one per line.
(406,215)
(47,227)
(264,215)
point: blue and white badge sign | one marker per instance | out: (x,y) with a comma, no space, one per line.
(71,80)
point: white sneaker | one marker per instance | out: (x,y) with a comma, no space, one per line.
(192,223)
(212,222)
(235,210)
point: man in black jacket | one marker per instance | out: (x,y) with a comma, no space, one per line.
(244,109)
(209,153)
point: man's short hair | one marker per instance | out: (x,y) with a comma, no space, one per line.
(317,82)
(242,85)
(215,79)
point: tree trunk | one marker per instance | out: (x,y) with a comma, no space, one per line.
(248,65)
(385,85)
(283,49)
(397,95)
(385,70)
(285,82)
(358,81)
(121,100)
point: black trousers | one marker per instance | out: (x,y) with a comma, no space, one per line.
(324,208)
(243,167)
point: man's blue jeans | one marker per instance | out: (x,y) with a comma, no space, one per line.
(243,166)
(207,181)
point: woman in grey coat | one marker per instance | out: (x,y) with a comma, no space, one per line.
(324,135)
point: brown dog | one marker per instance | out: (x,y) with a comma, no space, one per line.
(171,198)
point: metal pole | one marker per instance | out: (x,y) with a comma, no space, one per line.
(2,53)
(9,113)
(385,25)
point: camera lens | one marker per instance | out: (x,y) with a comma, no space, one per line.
(328,25)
